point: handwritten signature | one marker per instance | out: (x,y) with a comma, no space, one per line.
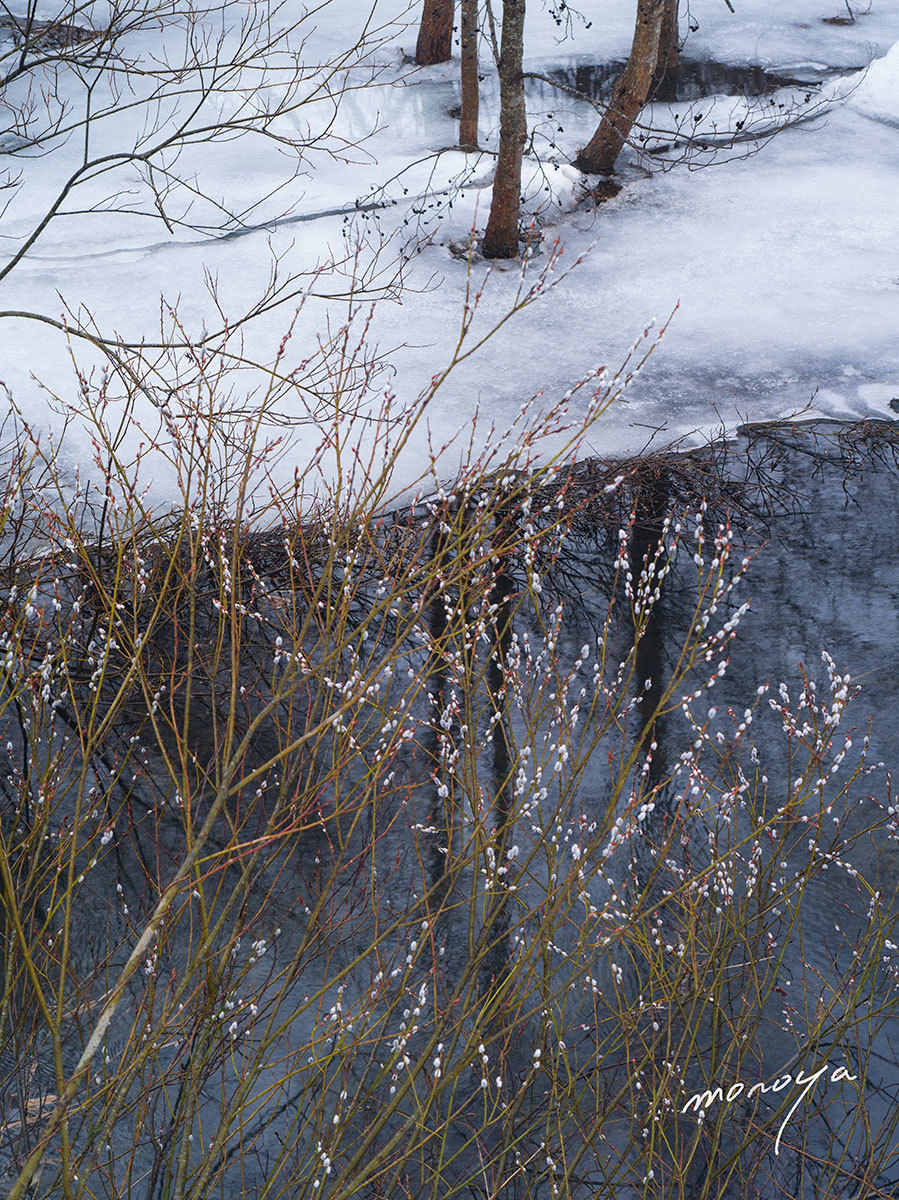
(705,1100)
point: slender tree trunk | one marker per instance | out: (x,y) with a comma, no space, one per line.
(501,238)
(668,65)
(435,37)
(468,124)
(631,93)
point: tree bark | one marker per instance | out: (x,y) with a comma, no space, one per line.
(668,65)
(501,237)
(468,123)
(435,36)
(630,94)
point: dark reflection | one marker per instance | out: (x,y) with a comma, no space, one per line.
(696,79)
(652,505)
(501,603)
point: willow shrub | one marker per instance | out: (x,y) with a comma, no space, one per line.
(339,859)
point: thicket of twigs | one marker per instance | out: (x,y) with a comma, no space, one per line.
(356,848)
(345,855)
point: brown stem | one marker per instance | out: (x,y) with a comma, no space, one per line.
(468,123)
(631,92)
(435,37)
(501,237)
(668,65)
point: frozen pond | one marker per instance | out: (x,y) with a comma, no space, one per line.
(367,863)
(371,834)
(697,79)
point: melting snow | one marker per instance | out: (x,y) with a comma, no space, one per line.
(781,258)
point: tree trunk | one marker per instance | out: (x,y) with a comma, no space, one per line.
(501,238)
(668,65)
(468,124)
(631,93)
(435,37)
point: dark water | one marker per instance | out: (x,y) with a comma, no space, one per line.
(697,79)
(818,512)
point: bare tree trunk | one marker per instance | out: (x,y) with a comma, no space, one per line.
(468,123)
(631,93)
(501,238)
(668,65)
(435,37)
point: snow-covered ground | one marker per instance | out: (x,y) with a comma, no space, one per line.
(782,265)
(781,258)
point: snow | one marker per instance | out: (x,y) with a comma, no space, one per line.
(877,94)
(778,259)
(773,270)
